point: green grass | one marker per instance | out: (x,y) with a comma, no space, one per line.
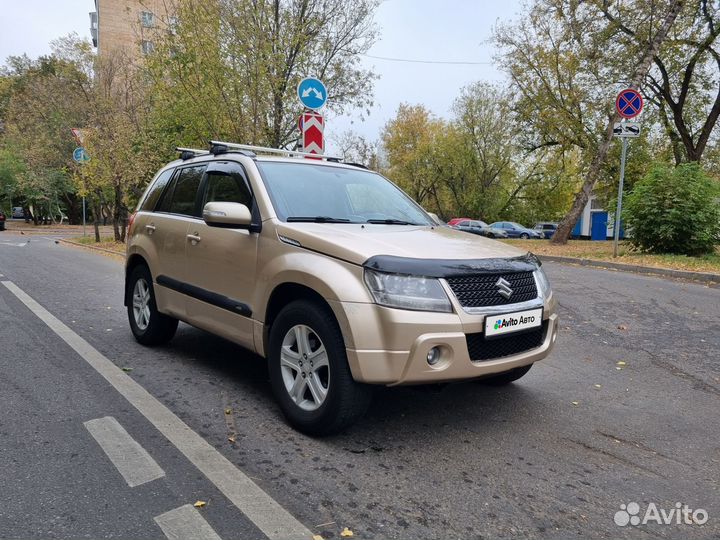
(602,251)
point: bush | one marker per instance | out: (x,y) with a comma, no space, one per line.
(674,210)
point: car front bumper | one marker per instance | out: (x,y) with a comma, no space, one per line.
(390,346)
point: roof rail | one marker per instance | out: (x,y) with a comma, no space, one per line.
(267,150)
(189,153)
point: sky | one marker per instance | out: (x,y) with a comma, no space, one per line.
(444,31)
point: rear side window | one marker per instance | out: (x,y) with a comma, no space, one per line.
(156,190)
(182,196)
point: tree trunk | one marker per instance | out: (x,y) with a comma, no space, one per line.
(96,221)
(568,222)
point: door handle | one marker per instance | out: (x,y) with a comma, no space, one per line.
(150,228)
(194,238)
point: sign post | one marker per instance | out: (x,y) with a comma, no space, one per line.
(313,95)
(629,104)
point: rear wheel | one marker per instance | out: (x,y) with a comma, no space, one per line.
(507,377)
(148,325)
(309,372)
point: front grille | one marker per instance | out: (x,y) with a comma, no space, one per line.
(480,348)
(480,290)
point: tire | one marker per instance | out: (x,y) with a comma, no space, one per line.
(524,236)
(316,392)
(507,377)
(148,325)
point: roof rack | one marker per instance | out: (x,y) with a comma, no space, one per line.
(267,150)
(189,153)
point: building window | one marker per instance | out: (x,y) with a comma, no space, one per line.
(148,47)
(147,19)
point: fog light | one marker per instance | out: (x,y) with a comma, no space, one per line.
(433,356)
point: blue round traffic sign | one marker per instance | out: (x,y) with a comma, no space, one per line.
(80,155)
(312,93)
(629,103)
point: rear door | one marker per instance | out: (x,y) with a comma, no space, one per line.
(176,211)
(221,262)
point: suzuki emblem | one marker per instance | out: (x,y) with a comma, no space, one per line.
(504,289)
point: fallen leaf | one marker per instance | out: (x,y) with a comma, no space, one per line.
(576,403)
(597,385)
(618,368)
(317,537)
(228,411)
(127,369)
(231,438)
(621,363)
(622,327)
(199,504)
(347,533)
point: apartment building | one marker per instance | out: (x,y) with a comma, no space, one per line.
(129,26)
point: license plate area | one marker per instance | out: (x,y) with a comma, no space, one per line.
(504,324)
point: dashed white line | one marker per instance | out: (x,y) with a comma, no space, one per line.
(184,523)
(266,513)
(132,461)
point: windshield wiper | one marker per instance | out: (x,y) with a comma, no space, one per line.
(391,222)
(316,219)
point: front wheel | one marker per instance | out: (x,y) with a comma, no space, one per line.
(507,377)
(309,372)
(148,325)
(524,236)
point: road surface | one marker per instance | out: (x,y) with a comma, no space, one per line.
(625,410)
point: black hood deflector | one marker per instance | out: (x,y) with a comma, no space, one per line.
(446,268)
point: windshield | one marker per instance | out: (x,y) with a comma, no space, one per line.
(304,192)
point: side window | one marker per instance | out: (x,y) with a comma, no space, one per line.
(156,189)
(183,195)
(227,184)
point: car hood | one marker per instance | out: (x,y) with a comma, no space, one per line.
(356,243)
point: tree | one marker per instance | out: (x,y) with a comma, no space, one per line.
(43,100)
(354,148)
(410,140)
(675,210)
(564,62)
(229,69)
(683,83)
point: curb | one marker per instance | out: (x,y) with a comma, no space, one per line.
(706,277)
(91,247)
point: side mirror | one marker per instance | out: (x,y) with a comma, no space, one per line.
(436,219)
(227,214)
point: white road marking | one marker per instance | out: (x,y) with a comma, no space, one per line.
(131,460)
(266,513)
(184,523)
(14,244)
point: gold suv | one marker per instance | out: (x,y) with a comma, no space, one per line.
(334,275)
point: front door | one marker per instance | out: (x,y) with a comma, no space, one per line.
(221,262)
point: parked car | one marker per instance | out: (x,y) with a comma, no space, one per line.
(333,274)
(2,220)
(456,220)
(515,230)
(548,228)
(18,212)
(479,227)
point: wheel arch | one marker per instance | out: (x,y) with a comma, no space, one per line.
(287,292)
(133,262)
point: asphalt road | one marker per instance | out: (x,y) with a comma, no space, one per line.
(551,456)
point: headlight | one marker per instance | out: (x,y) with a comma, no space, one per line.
(543,282)
(407,292)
